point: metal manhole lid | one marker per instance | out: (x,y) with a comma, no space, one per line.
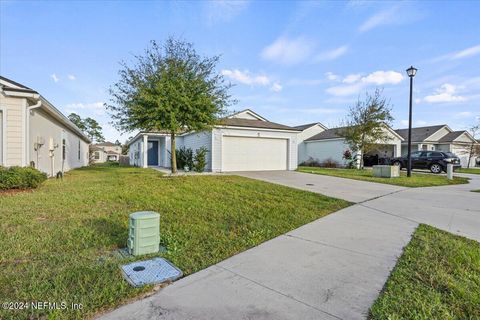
(152,271)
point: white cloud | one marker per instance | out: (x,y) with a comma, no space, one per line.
(356,82)
(383,77)
(245,77)
(55,78)
(224,11)
(351,78)
(288,51)
(384,17)
(465,53)
(464,114)
(446,93)
(71,77)
(331,76)
(472,51)
(345,90)
(332,54)
(276,87)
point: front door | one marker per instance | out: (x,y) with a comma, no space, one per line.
(152,153)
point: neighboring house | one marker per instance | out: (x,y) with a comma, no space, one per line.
(307,131)
(241,142)
(329,145)
(441,138)
(106,151)
(33,132)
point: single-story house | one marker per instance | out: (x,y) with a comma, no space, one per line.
(34,133)
(329,145)
(442,138)
(244,141)
(106,151)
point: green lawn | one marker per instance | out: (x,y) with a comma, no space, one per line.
(416,180)
(468,170)
(57,243)
(437,277)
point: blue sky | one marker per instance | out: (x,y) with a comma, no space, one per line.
(292,62)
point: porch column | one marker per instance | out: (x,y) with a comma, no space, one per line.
(145,151)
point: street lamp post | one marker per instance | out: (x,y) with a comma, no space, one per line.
(411,73)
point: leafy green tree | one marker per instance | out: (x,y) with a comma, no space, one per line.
(93,130)
(364,127)
(77,120)
(170,88)
(89,126)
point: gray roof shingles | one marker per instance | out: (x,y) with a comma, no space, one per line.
(239,122)
(449,137)
(420,133)
(327,134)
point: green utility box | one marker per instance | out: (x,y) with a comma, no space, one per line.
(143,233)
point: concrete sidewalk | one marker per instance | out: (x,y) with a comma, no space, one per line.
(332,268)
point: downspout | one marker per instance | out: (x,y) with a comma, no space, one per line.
(27,132)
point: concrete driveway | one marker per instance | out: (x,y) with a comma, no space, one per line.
(332,268)
(347,189)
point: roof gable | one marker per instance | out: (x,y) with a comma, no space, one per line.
(309,125)
(421,133)
(455,136)
(334,134)
(248,123)
(247,114)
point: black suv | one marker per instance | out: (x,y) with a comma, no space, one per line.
(435,161)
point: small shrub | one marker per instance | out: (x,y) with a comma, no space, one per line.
(200,159)
(184,157)
(329,163)
(311,162)
(20,178)
(350,161)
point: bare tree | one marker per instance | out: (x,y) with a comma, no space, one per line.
(474,150)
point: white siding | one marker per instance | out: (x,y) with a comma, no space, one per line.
(135,152)
(218,134)
(439,134)
(43,128)
(463,152)
(245,115)
(13,111)
(326,149)
(305,134)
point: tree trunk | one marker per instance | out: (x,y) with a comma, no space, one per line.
(173,152)
(361,159)
(470,155)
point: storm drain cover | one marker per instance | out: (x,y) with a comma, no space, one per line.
(153,271)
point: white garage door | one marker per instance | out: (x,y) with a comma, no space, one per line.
(253,154)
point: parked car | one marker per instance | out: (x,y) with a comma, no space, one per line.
(435,161)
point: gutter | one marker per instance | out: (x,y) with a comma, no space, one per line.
(27,131)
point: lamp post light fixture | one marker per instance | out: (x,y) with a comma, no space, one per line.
(411,73)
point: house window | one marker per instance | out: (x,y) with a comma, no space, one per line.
(424,147)
(64,149)
(78,149)
(97,155)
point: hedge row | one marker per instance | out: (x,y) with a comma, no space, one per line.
(20,178)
